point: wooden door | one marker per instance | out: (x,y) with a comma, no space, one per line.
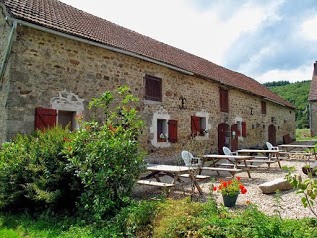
(223,137)
(272,134)
(234,137)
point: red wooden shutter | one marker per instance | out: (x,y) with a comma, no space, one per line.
(195,125)
(244,129)
(45,118)
(224,100)
(263,107)
(172,131)
(153,88)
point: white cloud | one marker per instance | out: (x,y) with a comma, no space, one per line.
(309,28)
(178,23)
(303,72)
(253,63)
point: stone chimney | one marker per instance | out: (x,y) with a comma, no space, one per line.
(315,69)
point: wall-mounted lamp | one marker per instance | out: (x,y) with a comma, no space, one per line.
(183,102)
(251,110)
(273,120)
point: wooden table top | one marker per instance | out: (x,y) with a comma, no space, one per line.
(257,151)
(169,168)
(297,146)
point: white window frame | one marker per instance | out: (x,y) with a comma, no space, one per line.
(204,124)
(68,101)
(161,114)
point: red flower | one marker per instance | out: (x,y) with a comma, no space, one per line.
(231,187)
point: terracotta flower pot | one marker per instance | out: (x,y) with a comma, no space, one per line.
(229,201)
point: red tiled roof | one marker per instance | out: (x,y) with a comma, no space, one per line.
(61,17)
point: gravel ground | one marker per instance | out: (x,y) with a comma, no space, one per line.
(287,203)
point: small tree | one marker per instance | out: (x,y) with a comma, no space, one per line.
(307,188)
(106,156)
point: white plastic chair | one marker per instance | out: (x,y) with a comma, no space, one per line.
(190,160)
(270,146)
(227,151)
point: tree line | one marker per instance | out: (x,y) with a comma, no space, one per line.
(297,94)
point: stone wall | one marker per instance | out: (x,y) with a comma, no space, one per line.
(43,65)
(5,28)
(313,117)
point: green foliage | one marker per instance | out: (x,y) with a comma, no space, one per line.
(307,188)
(163,218)
(189,219)
(303,134)
(32,172)
(106,156)
(297,94)
(278,83)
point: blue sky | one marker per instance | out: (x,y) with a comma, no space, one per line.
(268,40)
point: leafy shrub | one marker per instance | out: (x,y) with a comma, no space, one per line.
(105,156)
(32,172)
(183,218)
(94,168)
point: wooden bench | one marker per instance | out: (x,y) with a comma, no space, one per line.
(198,176)
(301,153)
(155,183)
(239,165)
(262,161)
(232,171)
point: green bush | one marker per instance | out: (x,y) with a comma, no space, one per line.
(93,169)
(32,172)
(105,156)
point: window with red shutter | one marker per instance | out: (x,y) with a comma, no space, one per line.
(224,100)
(153,88)
(172,131)
(263,107)
(244,129)
(195,125)
(45,118)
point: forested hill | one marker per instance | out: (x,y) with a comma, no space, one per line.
(297,94)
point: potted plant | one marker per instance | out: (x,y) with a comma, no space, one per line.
(162,138)
(230,190)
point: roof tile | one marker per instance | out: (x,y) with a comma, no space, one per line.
(64,18)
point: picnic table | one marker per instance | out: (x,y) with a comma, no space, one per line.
(268,156)
(298,149)
(172,171)
(236,163)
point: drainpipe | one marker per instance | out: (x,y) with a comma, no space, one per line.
(7,52)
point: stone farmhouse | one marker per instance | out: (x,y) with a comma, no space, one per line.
(312,98)
(56,58)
